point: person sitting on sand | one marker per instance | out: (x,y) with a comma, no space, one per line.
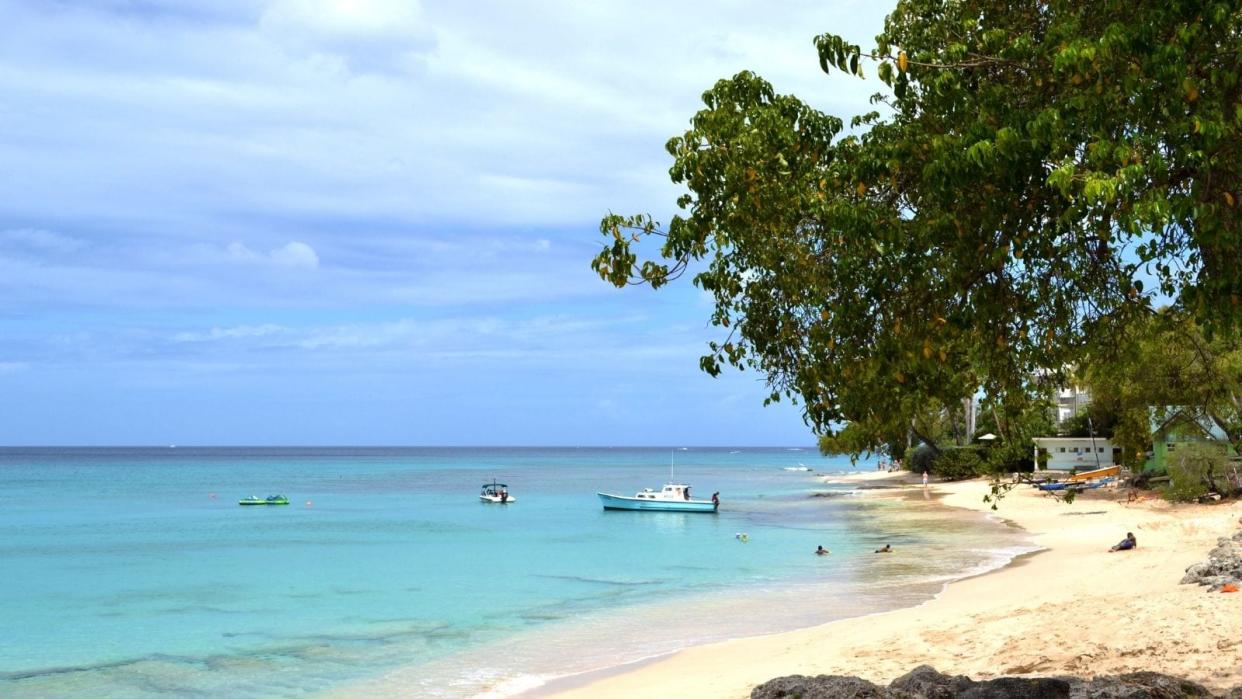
(821,551)
(888,548)
(1125,544)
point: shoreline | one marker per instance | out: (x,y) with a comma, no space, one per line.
(1067,608)
(893,486)
(568,685)
(961,544)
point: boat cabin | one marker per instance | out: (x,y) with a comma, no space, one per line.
(671,491)
(493,489)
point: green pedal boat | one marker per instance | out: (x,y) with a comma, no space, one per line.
(269,500)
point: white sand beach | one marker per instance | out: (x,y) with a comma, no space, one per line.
(1073,608)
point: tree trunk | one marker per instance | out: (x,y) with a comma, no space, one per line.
(930,444)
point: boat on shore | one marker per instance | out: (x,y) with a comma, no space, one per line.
(1097,473)
(1076,485)
(269,500)
(497,493)
(674,497)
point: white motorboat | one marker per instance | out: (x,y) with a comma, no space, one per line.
(497,493)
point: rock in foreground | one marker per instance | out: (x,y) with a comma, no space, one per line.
(1223,566)
(925,683)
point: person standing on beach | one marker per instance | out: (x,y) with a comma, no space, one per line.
(924,478)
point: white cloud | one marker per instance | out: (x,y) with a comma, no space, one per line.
(537,338)
(353,18)
(37,239)
(293,254)
(241,253)
(548,113)
(376,35)
(231,333)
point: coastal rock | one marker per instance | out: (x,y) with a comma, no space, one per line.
(1223,565)
(1220,582)
(1019,688)
(924,682)
(819,687)
(1139,685)
(1195,573)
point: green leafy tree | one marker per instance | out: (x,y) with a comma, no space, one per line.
(1198,470)
(1166,368)
(919,422)
(1036,160)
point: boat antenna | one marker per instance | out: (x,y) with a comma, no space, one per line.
(670,465)
(1091,430)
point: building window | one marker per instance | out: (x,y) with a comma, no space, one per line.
(1101,450)
(1061,449)
(1171,446)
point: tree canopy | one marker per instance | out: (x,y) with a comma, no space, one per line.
(1170,373)
(1040,172)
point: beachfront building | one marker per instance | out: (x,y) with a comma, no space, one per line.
(1173,427)
(1067,401)
(1070,401)
(1074,453)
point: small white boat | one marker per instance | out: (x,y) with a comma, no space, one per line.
(497,493)
(674,497)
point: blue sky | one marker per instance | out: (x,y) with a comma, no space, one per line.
(366,221)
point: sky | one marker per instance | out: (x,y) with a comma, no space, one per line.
(352,222)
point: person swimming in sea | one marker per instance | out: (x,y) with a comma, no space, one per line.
(821,551)
(888,548)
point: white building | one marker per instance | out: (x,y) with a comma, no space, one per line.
(1068,399)
(1071,400)
(1081,453)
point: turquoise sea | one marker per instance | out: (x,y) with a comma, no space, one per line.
(134,573)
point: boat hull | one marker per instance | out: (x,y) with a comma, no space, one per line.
(1097,473)
(620,502)
(496,499)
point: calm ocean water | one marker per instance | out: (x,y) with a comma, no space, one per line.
(133,572)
